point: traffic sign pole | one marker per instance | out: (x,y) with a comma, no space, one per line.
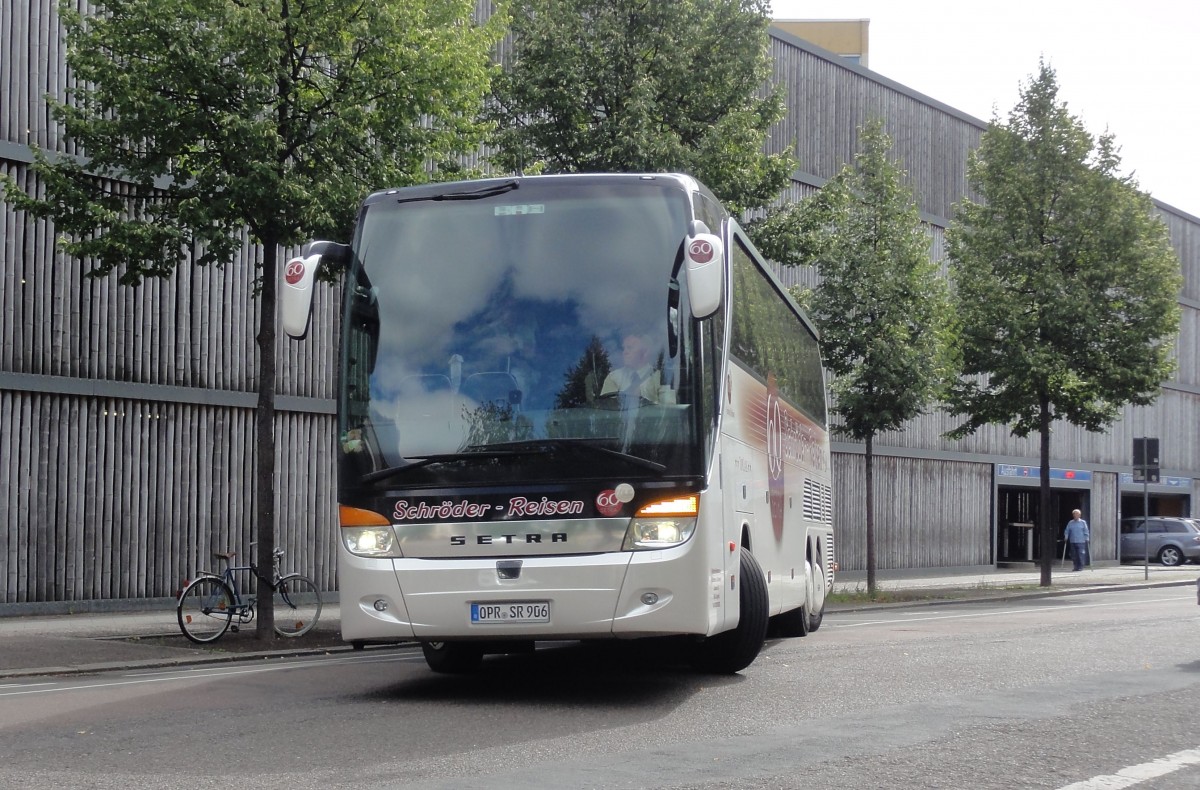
(1146,469)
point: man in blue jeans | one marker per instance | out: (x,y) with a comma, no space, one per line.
(1078,535)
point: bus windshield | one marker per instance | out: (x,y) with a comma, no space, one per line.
(527,332)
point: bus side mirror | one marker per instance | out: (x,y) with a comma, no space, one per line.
(705,273)
(295,298)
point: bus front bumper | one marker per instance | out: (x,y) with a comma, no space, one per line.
(619,594)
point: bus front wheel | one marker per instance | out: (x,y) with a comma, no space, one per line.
(452,658)
(736,649)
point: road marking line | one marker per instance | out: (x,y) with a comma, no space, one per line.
(1136,774)
(1029,610)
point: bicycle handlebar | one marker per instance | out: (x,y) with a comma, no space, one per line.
(278,549)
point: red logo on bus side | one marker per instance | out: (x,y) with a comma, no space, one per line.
(776,487)
(294,272)
(607,503)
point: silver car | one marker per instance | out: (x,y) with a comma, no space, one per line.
(1171,540)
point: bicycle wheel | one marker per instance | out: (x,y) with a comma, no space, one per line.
(205,609)
(297,605)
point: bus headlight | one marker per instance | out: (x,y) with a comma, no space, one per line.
(371,541)
(661,525)
(367,533)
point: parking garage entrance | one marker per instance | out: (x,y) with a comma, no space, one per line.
(1169,497)
(1018,509)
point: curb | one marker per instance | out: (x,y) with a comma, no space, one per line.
(185,661)
(1002,596)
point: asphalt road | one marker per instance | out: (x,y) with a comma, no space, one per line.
(1040,693)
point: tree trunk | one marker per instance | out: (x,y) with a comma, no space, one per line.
(1046,526)
(264,441)
(870,457)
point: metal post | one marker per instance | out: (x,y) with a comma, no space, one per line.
(1146,527)
(1146,463)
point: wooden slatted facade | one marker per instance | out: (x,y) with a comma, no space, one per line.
(930,513)
(126,414)
(126,440)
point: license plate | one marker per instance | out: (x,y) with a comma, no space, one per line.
(523,612)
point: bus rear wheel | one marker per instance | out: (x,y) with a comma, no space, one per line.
(804,619)
(452,658)
(792,623)
(816,597)
(814,620)
(736,649)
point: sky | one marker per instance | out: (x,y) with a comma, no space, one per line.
(1131,69)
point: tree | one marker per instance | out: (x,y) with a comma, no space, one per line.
(582,381)
(1066,282)
(882,309)
(642,85)
(202,120)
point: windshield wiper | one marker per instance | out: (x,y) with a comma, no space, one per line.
(470,194)
(477,452)
(551,445)
(510,449)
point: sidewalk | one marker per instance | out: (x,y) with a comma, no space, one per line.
(61,644)
(1015,580)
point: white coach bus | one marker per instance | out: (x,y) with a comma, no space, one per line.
(572,407)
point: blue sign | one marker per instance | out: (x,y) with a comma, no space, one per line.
(1035,473)
(1172,482)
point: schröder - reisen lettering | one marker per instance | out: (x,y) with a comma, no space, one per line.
(465,509)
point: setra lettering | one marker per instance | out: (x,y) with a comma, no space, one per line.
(490,540)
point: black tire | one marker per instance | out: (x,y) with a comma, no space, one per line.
(1171,556)
(801,621)
(452,658)
(736,649)
(790,624)
(814,621)
(205,609)
(297,605)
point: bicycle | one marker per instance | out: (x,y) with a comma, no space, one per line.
(210,602)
